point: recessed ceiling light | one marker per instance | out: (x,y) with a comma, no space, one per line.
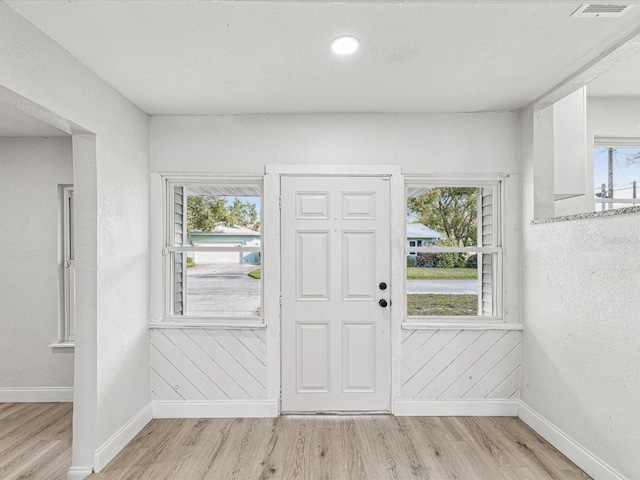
(345,45)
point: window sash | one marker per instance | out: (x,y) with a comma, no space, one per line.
(238,248)
(69,323)
(496,291)
(453,249)
(185,183)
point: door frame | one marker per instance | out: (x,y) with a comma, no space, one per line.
(272,260)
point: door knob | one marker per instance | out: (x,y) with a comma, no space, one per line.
(382,302)
(382,286)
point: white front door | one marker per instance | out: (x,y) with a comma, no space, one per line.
(335,294)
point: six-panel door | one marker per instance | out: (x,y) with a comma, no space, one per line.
(335,254)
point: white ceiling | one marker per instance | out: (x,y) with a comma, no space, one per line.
(224,57)
(15,123)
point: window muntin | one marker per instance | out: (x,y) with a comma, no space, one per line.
(467,289)
(213,250)
(616,174)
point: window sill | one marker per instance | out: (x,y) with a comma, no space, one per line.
(63,345)
(209,325)
(583,216)
(460,326)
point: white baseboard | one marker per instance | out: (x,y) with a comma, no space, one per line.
(35,394)
(79,473)
(575,452)
(456,408)
(109,449)
(216,409)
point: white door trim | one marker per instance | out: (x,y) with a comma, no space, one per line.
(272,258)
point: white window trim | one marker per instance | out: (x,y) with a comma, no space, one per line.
(497,183)
(202,321)
(616,142)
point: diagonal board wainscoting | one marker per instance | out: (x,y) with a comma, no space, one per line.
(198,364)
(460,364)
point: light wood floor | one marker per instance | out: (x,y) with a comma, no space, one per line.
(35,443)
(340,448)
(35,440)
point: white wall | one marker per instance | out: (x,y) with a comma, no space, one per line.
(112,374)
(570,143)
(613,117)
(448,143)
(31,263)
(421,144)
(580,308)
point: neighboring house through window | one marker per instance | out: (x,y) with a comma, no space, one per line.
(418,235)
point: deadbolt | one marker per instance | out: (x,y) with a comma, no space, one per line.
(382,286)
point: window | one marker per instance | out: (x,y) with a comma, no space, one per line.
(616,169)
(213,250)
(454,272)
(67,324)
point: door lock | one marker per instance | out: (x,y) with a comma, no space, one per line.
(382,302)
(382,286)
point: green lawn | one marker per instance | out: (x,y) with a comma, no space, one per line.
(442,304)
(257,274)
(434,273)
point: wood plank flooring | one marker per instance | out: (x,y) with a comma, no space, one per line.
(35,443)
(340,448)
(35,440)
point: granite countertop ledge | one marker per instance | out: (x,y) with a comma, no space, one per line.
(581,216)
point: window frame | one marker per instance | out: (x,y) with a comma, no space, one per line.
(69,331)
(231,321)
(66,259)
(612,142)
(497,184)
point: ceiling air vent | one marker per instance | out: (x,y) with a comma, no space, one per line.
(593,11)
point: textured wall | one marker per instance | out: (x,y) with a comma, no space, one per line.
(112,196)
(580,307)
(447,143)
(32,169)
